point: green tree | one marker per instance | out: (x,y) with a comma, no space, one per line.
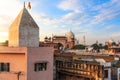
(115,44)
(100,46)
(105,47)
(95,46)
(79,46)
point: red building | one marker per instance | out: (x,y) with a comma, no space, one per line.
(67,41)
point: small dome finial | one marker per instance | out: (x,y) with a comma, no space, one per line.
(24,4)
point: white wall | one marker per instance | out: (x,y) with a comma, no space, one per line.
(109,74)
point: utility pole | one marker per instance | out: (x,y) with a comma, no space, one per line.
(18,75)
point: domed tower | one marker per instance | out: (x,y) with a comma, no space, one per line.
(70,39)
(110,41)
(70,36)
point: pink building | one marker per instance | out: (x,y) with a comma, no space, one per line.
(24,59)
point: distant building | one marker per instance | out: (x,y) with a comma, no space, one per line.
(23,59)
(113,48)
(72,66)
(67,41)
(79,70)
(109,43)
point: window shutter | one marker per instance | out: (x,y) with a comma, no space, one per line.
(35,67)
(2,66)
(7,67)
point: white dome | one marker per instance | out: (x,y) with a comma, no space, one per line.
(110,41)
(70,34)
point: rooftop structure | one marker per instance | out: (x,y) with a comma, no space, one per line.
(86,66)
(63,41)
(24,31)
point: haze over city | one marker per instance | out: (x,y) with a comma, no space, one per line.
(98,20)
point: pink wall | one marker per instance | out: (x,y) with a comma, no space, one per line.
(17,63)
(37,55)
(23,59)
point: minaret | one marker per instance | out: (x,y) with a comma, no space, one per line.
(24,31)
(84,41)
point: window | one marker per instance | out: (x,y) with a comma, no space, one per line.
(106,74)
(42,66)
(4,67)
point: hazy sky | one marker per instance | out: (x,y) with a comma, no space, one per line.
(98,20)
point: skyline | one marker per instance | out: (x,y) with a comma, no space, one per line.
(97,20)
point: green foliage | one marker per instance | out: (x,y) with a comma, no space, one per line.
(105,47)
(99,46)
(79,46)
(114,44)
(95,46)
